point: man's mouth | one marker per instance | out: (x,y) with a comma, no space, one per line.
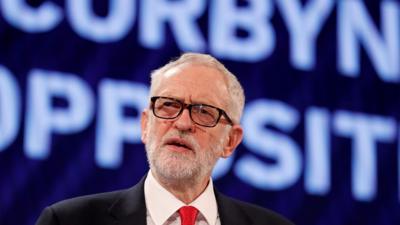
(178,144)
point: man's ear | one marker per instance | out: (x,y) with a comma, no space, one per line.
(234,138)
(143,124)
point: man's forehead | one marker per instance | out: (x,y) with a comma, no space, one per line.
(194,83)
(197,73)
(191,96)
(172,71)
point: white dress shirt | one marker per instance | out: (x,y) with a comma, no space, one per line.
(162,206)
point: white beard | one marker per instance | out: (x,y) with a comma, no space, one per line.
(178,166)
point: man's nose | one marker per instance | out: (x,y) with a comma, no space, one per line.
(184,122)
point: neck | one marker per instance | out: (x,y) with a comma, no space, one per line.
(186,190)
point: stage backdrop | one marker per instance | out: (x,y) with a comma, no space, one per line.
(321,121)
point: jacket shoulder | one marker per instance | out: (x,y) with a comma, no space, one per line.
(250,213)
(93,202)
(89,209)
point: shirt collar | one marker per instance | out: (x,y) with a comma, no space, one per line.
(155,194)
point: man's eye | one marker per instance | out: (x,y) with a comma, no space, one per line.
(167,104)
(171,104)
(208,112)
(205,111)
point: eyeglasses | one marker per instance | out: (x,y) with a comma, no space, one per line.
(201,114)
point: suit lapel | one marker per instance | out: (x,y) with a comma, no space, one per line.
(130,207)
(228,211)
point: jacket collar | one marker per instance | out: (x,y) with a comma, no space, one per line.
(130,206)
(229,213)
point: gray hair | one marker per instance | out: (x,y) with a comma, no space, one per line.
(235,89)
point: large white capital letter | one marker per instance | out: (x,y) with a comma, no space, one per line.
(226,18)
(356,28)
(29,19)
(304,26)
(43,120)
(365,130)
(113,27)
(10,108)
(317,171)
(274,145)
(113,127)
(181,15)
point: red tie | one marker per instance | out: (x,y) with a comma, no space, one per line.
(188,215)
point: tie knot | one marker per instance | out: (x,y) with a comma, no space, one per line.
(188,215)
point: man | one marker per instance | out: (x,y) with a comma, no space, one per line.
(192,121)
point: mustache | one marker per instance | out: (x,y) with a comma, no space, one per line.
(183,135)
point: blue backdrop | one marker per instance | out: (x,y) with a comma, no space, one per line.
(321,78)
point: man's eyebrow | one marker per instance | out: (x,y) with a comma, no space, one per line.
(174,97)
(197,102)
(202,102)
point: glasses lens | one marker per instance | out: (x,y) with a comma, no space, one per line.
(167,108)
(205,115)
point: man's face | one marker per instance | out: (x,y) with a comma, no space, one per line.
(178,148)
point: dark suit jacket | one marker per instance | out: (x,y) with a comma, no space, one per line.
(127,207)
